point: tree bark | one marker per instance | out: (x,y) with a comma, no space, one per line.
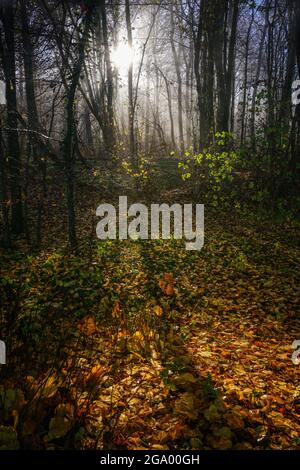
(132,145)
(70,136)
(244,103)
(7,52)
(179,82)
(110,125)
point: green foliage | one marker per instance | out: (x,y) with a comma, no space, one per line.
(268,179)
(209,388)
(140,172)
(52,291)
(256,175)
(212,170)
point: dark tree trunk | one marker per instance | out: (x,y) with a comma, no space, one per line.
(295,153)
(7,51)
(110,124)
(71,136)
(179,82)
(256,83)
(34,144)
(229,74)
(245,90)
(28,69)
(4,195)
(132,145)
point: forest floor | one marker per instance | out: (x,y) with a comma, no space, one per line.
(144,345)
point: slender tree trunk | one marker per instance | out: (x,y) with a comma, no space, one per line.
(132,146)
(179,82)
(245,90)
(28,69)
(295,151)
(207,119)
(147,109)
(70,137)
(33,122)
(7,52)
(110,138)
(170,113)
(4,195)
(256,83)
(218,30)
(88,134)
(197,51)
(230,72)
(204,72)
(169,97)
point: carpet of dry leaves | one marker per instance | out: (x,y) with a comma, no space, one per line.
(192,351)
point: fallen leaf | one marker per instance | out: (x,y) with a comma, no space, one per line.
(167,284)
(87,326)
(8,438)
(185,405)
(158,310)
(58,427)
(234,420)
(185,379)
(211,413)
(116,311)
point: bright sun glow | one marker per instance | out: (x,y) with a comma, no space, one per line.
(122,57)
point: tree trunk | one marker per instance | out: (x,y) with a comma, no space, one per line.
(169,108)
(7,52)
(230,72)
(179,82)
(110,125)
(132,146)
(4,195)
(70,137)
(256,83)
(244,105)
(147,109)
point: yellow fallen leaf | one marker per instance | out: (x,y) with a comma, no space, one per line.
(185,379)
(205,353)
(158,310)
(138,335)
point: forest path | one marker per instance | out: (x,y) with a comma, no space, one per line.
(221,360)
(147,345)
(140,390)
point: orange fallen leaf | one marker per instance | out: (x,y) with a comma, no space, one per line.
(226,354)
(87,326)
(169,289)
(167,284)
(95,374)
(168,277)
(116,311)
(97,370)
